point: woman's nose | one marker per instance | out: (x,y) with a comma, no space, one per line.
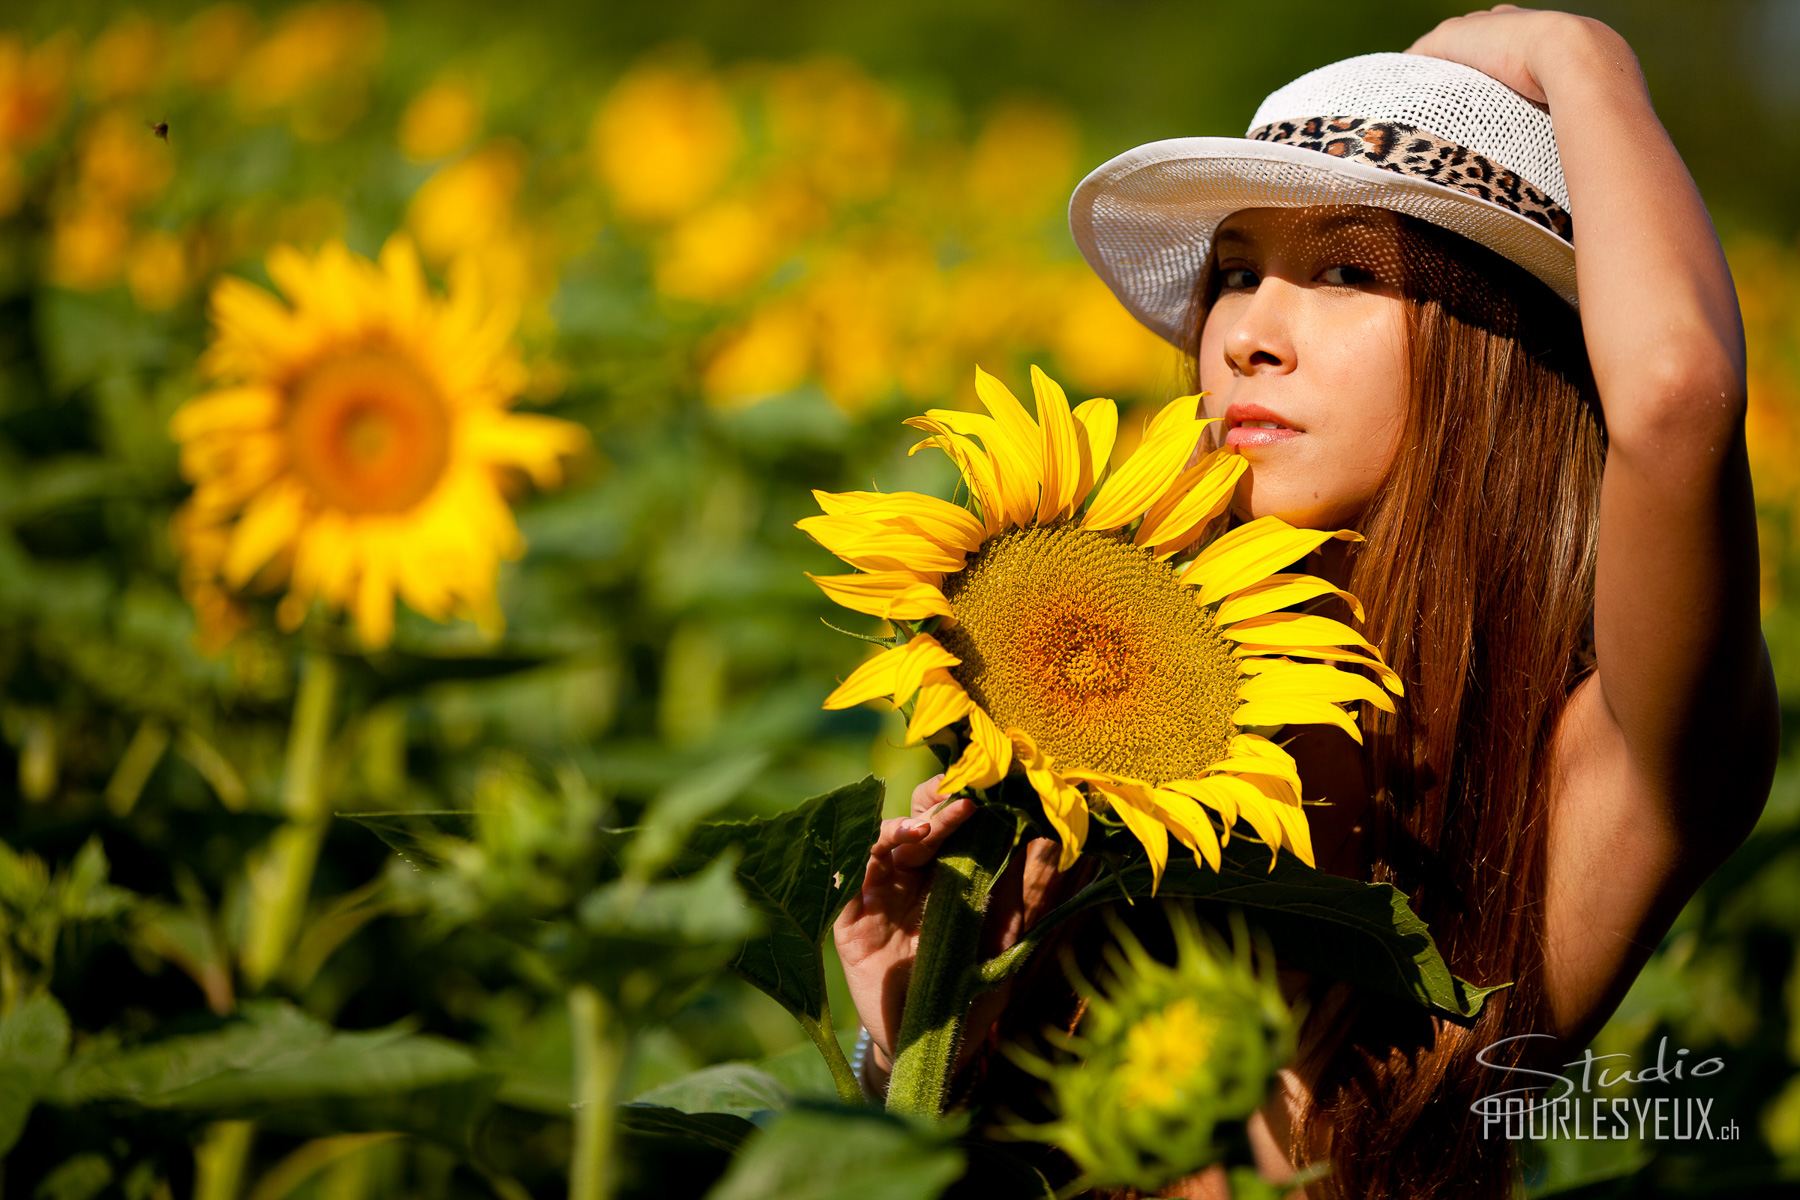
(1259,341)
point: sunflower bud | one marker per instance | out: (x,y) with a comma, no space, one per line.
(1169,1060)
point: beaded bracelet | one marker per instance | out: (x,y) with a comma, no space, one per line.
(861,1053)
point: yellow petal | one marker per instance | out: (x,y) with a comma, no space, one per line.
(1019,456)
(1156,464)
(973,463)
(1297,712)
(1390,679)
(1065,808)
(1131,800)
(1190,824)
(1098,423)
(226,409)
(1199,495)
(1062,447)
(871,546)
(1277,679)
(1232,798)
(1251,553)
(894,673)
(268,524)
(941,701)
(984,761)
(890,595)
(1295,629)
(1173,414)
(949,524)
(1278,592)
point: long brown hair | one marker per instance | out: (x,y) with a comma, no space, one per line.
(1477,571)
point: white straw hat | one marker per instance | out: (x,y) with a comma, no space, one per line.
(1420,135)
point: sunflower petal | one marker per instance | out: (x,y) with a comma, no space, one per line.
(1278,592)
(1097,423)
(973,463)
(1290,711)
(1251,553)
(1295,629)
(1278,680)
(950,525)
(1062,447)
(890,595)
(1064,805)
(941,701)
(1190,825)
(1131,800)
(894,674)
(1142,478)
(1020,454)
(985,760)
(872,546)
(1233,798)
(1390,679)
(1201,494)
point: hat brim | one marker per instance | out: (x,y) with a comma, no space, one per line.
(1145,219)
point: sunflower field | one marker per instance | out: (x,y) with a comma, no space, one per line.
(430,759)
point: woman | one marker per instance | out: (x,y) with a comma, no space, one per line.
(1560,556)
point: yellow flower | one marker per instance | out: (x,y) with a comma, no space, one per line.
(1073,646)
(358,440)
(663,141)
(87,246)
(212,41)
(156,271)
(33,87)
(439,121)
(123,59)
(467,204)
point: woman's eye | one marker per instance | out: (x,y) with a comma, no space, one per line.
(1353,275)
(1225,277)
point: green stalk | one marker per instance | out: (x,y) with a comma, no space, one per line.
(944,978)
(599,1063)
(219,1160)
(281,882)
(825,1038)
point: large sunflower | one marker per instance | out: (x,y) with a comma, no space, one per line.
(1056,622)
(356,443)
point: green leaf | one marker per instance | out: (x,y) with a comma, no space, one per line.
(798,869)
(817,1151)
(648,946)
(1324,924)
(672,816)
(736,1088)
(417,836)
(665,1152)
(282,1067)
(34,1039)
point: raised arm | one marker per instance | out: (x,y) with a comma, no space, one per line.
(1682,664)
(1665,755)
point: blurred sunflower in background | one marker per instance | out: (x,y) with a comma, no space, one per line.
(356,445)
(1055,627)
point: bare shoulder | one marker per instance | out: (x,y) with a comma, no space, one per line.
(1618,875)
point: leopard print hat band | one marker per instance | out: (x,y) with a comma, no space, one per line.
(1408,150)
(1434,139)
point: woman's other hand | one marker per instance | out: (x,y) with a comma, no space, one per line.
(877,934)
(1510,43)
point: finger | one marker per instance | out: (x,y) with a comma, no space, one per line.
(895,832)
(926,797)
(936,831)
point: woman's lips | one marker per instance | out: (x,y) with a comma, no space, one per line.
(1251,435)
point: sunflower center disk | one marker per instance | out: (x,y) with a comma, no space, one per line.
(367,433)
(1092,647)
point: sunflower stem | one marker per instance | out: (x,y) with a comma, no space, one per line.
(943,975)
(282,880)
(825,1038)
(599,1061)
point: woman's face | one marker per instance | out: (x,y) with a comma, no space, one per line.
(1309,325)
